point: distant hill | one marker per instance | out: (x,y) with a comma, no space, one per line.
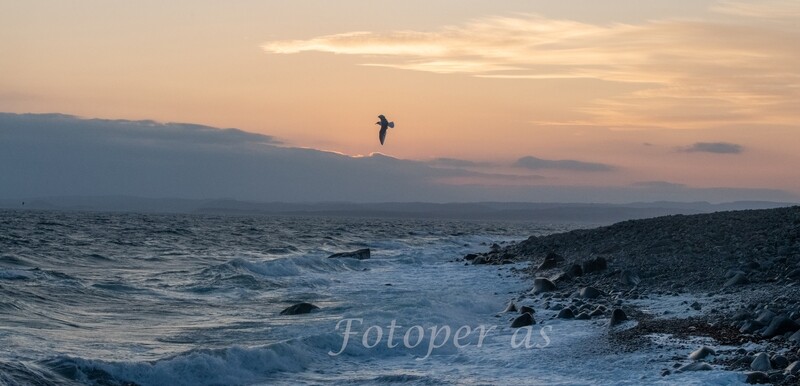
(511,211)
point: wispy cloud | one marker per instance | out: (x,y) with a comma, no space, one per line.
(772,9)
(714,147)
(691,74)
(534,163)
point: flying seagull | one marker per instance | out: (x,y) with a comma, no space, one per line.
(384,125)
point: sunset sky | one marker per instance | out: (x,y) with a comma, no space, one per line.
(678,93)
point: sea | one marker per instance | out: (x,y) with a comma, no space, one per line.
(94,298)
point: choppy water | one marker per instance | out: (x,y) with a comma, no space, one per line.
(103,298)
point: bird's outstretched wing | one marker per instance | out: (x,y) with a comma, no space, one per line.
(382,134)
(383,120)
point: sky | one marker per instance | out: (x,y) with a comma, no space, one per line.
(517,100)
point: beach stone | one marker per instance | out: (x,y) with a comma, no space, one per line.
(550,261)
(765,317)
(583,316)
(480,260)
(566,313)
(526,310)
(738,279)
(599,311)
(793,368)
(760,363)
(361,254)
(795,338)
(750,327)
(617,316)
(757,377)
(541,284)
(779,361)
(523,320)
(470,256)
(696,366)
(590,293)
(779,326)
(299,308)
(511,307)
(594,265)
(696,306)
(702,353)
(741,315)
(629,278)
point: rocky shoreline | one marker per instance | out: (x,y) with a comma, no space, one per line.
(737,273)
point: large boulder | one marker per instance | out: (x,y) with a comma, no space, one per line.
(299,308)
(541,284)
(527,310)
(550,261)
(761,363)
(574,271)
(617,316)
(738,279)
(793,368)
(590,293)
(780,325)
(361,254)
(523,320)
(566,313)
(629,278)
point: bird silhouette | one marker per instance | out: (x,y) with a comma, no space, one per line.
(384,126)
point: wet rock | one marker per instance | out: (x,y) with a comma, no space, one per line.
(523,320)
(361,254)
(696,366)
(574,271)
(793,368)
(617,316)
(702,353)
(541,284)
(741,315)
(760,363)
(696,306)
(779,326)
(583,316)
(765,317)
(629,278)
(526,310)
(299,308)
(779,361)
(470,257)
(738,279)
(566,313)
(590,293)
(511,307)
(750,327)
(480,260)
(599,311)
(757,377)
(795,338)
(550,261)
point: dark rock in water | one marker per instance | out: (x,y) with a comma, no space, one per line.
(526,310)
(702,353)
(793,368)
(361,254)
(779,326)
(760,363)
(738,279)
(757,377)
(629,278)
(583,316)
(480,260)
(696,306)
(511,307)
(299,308)
(594,265)
(550,261)
(541,284)
(590,293)
(494,247)
(566,313)
(470,256)
(779,361)
(696,366)
(523,320)
(750,327)
(617,316)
